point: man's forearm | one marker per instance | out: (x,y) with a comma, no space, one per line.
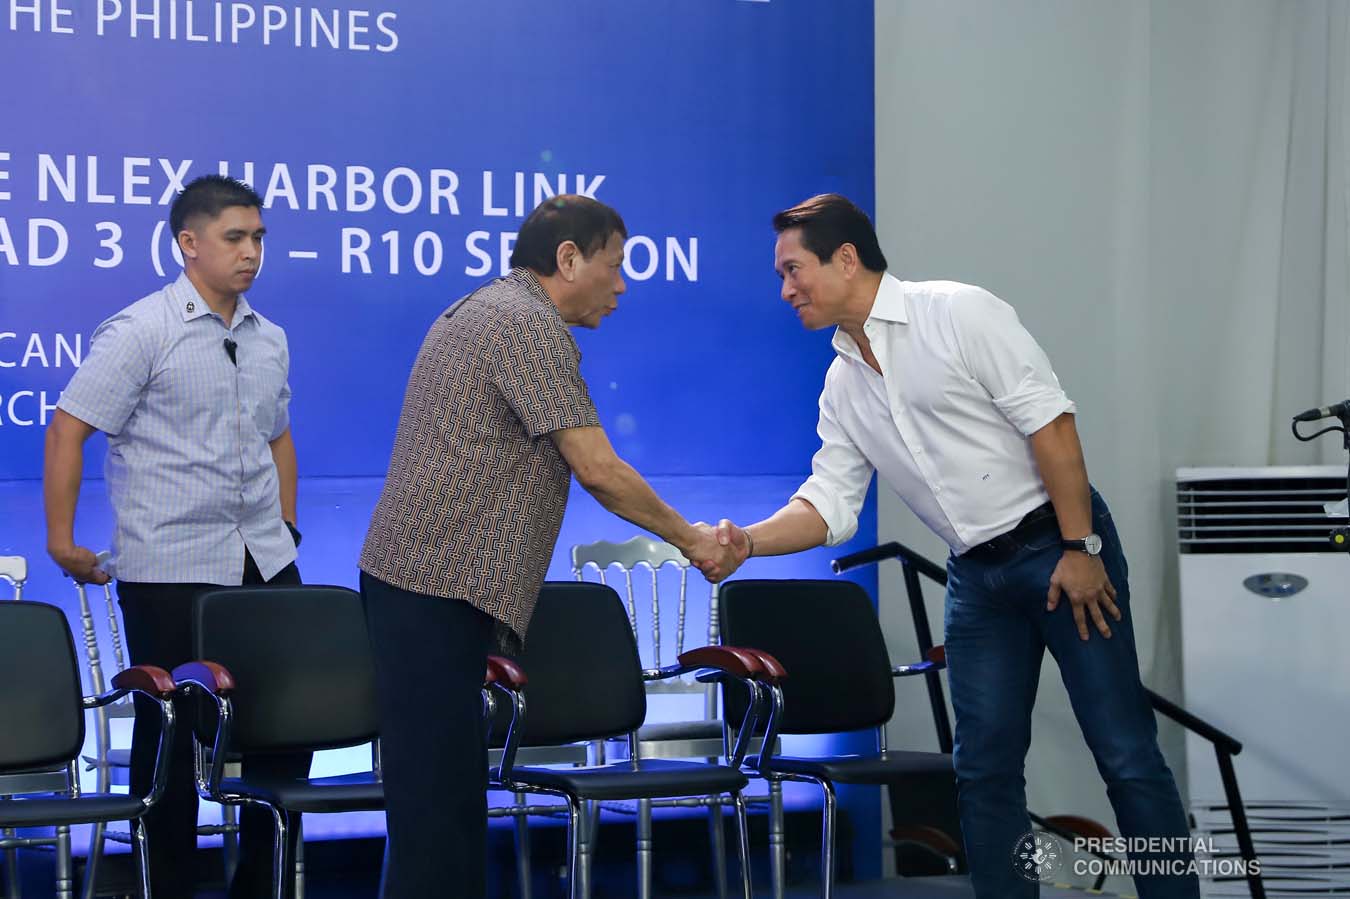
(793,528)
(62,471)
(621,490)
(1059,458)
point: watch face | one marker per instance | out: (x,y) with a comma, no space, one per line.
(1093,544)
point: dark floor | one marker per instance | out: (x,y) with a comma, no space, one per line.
(349,869)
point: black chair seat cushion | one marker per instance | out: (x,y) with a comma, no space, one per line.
(681,730)
(90,808)
(867,769)
(651,779)
(342,793)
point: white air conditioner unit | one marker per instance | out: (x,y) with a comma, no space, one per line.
(1265,612)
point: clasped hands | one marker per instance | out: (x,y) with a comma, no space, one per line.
(717,551)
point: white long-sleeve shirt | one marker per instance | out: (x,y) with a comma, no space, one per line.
(963,385)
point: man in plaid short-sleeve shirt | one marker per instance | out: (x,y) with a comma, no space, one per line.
(190,386)
(495,422)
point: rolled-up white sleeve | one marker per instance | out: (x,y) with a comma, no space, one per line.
(1003,356)
(840,474)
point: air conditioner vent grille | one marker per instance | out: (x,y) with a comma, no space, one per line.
(1257,515)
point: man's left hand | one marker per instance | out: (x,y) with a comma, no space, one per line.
(1091,594)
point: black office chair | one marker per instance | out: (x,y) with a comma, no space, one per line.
(586,683)
(288,670)
(825,633)
(42,727)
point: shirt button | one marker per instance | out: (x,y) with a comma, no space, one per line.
(918,451)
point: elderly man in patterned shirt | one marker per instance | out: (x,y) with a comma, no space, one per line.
(495,422)
(190,385)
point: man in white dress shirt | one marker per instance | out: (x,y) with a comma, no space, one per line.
(937,386)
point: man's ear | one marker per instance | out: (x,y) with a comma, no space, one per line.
(187,244)
(567,256)
(847,258)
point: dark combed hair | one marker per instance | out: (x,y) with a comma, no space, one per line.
(827,222)
(210,195)
(586,222)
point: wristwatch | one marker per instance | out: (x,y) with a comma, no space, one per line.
(1091,544)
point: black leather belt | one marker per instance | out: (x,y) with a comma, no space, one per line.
(1039,523)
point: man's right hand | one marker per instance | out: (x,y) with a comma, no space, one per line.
(79,563)
(710,556)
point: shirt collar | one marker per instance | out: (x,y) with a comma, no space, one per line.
(183,293)
(536,289)
(890,302)
(889,306)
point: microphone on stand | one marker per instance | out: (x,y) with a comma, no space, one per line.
(1338,410)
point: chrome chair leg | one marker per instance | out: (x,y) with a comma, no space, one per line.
(65,874)
(827,842)
(300,857)
(742,844)
(644,848)
(575,835)
(280,869)
(777,844)
(141,846)
(229,840)
(718,837)
(523,872)
(95,858)
(11,867)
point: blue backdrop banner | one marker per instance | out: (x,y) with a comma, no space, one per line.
(398,146)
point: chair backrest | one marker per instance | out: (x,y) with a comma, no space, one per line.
(14,570)
(629,557)
(304,677)
(90,610)
(582,662)
(827,636)
(41,716)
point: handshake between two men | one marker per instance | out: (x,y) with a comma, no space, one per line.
(719,551)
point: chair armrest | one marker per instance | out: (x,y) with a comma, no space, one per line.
(733,660)
(215,681)
(774,672)
(938,848)
(159,685)
(146,679)
(758,670)
(210,676)
(504,671)
(935,660)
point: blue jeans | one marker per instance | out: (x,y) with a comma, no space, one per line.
(997,631)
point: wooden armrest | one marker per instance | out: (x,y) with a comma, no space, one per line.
(501,670)
(147,679)
(774,672)
(731,659)
(210,675)
(937,840)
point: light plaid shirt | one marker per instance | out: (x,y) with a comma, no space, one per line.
(189,470)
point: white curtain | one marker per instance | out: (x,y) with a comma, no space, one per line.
(1159,188)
